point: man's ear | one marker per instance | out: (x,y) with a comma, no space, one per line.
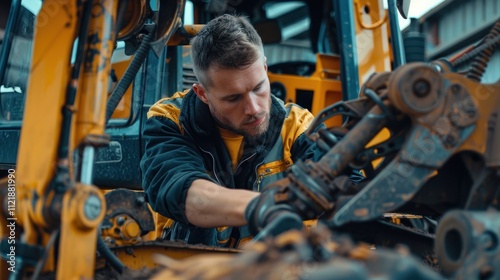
(200,92)
(265,63)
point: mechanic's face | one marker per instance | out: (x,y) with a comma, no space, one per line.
(239,100)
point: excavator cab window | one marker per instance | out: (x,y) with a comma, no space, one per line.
(17,24)
(16,47)
(16,37)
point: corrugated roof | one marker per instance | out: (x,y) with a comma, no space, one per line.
(436,10)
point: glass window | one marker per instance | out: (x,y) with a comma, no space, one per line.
(13,84)
(17,61)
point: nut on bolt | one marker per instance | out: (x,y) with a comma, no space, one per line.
(421,88)
(140,200)
(450,140)
(92,207)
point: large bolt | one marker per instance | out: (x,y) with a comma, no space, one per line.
(92,207)
(450,140)
(140,200)
(421,88)
(120,221)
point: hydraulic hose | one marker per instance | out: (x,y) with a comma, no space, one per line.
(113,260)
(481,61)
(129,76)
(474,51)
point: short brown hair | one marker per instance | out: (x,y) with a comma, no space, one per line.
(227,42)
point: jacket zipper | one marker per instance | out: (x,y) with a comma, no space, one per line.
(211,155)
(213,164)
(259,176)
(241,162)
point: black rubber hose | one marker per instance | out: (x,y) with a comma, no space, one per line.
(480,62)
(113,260)
(471,54)
(128,76)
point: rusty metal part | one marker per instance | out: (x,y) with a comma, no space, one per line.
(123,230)
(391,188)
(467,244)
(442,66)
(444,115)
(383,149)
(169,18)
(143,254)
(401,216)
(134,17)
(184,34)
(376,82)
(337,159)
(441,114)
(318,254)
(353,108)
(440,126)
(127,217)
(309,187)
(415,89)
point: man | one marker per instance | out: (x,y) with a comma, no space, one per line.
(210,150)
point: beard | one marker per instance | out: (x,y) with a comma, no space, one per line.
(250,133)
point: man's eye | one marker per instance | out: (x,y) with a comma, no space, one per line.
(233,99)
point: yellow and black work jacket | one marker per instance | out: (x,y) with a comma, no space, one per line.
(183,144)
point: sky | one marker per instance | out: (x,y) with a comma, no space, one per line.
(417,9)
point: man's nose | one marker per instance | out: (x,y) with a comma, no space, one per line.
(251,105)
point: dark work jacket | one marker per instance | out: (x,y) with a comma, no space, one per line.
(183,144)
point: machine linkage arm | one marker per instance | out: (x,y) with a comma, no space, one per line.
(448,114)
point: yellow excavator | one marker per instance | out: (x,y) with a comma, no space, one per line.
(77,78)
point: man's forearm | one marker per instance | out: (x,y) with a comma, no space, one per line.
(210,205)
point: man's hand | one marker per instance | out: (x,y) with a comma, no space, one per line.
(262,209)
(280,200)
(298,193)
